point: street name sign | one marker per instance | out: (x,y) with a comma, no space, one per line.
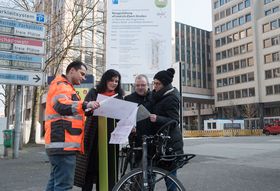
(21,77)
(20,61)
(18,44)
(22,15)
(24,29)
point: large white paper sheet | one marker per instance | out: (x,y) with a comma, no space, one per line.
(114,108)
(118,109)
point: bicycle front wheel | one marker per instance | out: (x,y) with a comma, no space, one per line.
(133,181)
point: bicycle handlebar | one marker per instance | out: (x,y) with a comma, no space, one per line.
(168,124)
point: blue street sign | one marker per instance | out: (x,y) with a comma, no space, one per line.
(21,77)
(20,57)
(40,18)
(23,25)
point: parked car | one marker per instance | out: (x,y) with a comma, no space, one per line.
(272,129)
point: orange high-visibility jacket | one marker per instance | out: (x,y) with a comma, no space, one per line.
(64,119)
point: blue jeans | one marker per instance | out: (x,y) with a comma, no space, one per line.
(62,172)
(170,186)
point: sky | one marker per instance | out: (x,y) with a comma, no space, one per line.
(197,13)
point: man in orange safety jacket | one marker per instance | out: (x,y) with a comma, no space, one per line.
(64,126)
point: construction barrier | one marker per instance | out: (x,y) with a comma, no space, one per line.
(223,133)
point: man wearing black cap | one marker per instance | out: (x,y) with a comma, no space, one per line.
(166,103)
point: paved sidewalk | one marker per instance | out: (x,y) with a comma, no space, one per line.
(30,172)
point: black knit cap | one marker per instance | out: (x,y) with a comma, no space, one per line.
(165,76)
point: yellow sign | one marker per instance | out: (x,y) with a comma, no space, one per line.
(82,92)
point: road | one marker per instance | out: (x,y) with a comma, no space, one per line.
(233,164)
(221,164)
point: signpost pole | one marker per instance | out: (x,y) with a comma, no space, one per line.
(17,132)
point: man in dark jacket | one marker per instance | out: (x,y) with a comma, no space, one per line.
(166,103)
(142,96)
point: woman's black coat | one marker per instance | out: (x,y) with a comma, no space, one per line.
(166,103)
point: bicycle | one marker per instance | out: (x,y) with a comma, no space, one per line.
(148,177)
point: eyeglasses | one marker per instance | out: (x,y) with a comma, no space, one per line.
(156,83)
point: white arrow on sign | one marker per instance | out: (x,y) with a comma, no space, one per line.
(21,77)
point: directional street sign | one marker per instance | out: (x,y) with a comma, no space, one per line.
(21,77)
(22,15)
(25,29)
(22,45)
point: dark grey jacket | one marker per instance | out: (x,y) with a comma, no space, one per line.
(166,103)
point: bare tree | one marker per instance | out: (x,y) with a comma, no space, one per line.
(249,111)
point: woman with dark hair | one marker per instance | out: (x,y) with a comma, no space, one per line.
(87,165)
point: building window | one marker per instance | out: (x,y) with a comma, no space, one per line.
(242,34)
(235,23)
(237,94)
(250,61)
(245,93)
(217,30)
(216,16)
(224,68)
(277,89)
(222,14)
(220,97)
(266,27)
(248,18)
(250,76)
(250,47)
(251,92)
(267,58)
(223,41)
(276,73)
(275,9)
(225,82)
(274,41)
(218,56)
(269,90)
(268,74)
(219,83)
(240,6)
(229,53)
(244,78)
(241,20)
(218,43)
(224,54)
(247,3)
(242,49)
(274,25)
(236,51)
(229,39)
(236,65)
(267,12)
(230,66)
(223,28)
(228,12)
(249,32)
(219,69)
(230,81)
(267,43)
(237,79)
(243,63)
(231,95)
(225,95)
(229,25)
(275,56)
(234,9)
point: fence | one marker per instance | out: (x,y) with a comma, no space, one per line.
(223,133)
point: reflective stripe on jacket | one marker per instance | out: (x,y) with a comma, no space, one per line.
(64,119)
